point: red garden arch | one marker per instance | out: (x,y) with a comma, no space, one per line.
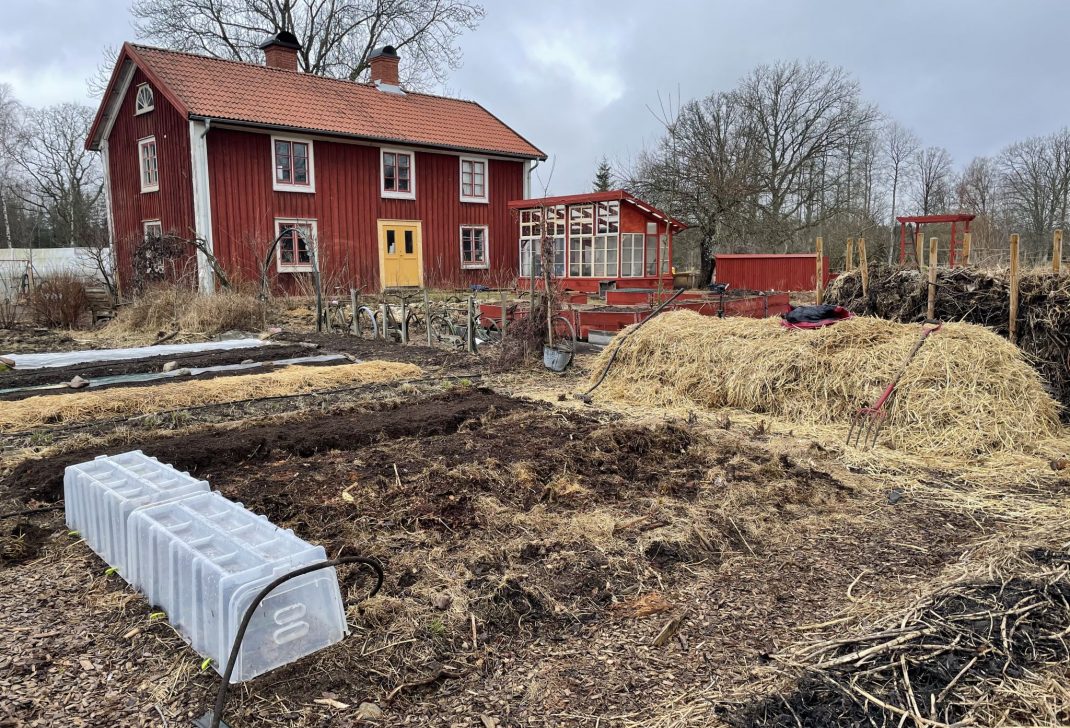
(920,220)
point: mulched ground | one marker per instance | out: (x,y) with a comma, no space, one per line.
(533,555)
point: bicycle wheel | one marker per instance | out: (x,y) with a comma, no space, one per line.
(367,323)
(488,331)
(442,330)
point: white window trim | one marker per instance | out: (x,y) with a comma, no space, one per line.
(486,178)
(297,267)
(145,228)
(486,247)
(141,143)
(137,93)
(393,194)
(310,188)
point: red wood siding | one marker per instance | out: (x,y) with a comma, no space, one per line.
(172,205)
(792,272)
(347,205)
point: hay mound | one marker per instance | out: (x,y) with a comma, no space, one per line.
(170,307)
(978,297)
(966,392)
(32,412)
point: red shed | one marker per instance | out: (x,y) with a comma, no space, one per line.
(769,272)
(602,240)
(378,185)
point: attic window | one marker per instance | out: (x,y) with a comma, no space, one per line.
(144,101)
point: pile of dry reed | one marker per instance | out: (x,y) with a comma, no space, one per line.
(975,296)
(967,391)
(89,406)
(175,307)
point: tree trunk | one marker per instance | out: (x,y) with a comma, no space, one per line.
(7,219)
(706,264)
(891,243)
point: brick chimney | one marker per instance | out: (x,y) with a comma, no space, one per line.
(281,51)
(384,66)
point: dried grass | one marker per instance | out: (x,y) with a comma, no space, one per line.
(170,307)
(131,401)
(967,391)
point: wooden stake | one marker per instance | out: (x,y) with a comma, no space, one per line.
(863,266)
(427,316)
(404,323)
(819,279)
(931,311)
(849,263)
(470,333)
(967,238)
(505,303)
(382,308)
(354,326)
(917,252)
(1056,251)
(1012,322)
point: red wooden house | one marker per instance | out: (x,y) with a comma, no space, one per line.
(380,186)
(602,240)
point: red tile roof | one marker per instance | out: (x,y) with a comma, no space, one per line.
(245,92)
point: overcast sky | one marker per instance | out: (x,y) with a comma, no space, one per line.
(575,77)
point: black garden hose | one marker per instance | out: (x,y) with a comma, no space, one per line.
(221,697)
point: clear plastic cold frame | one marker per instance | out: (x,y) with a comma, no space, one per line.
(203,558)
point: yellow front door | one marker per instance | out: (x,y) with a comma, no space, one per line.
(399,253)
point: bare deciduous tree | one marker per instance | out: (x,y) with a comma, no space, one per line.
(931,172)
(336,36)
(10,127)
(1034,185)
(67,182)
(900,145)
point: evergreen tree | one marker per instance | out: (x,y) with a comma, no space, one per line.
(603,178)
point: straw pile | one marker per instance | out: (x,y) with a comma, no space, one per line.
(978,297)
(967,391)
(88,406)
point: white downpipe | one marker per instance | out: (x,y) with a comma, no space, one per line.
(202,201)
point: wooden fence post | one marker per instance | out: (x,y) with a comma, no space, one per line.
(931,311)
(1057,251)
(505,303)
(863,266)
(819,279)
(967,239)
(354,325)
(470,329)
(1012,322)
(849,262)
(404,323)
(383,309)
(427,316)
(917,252)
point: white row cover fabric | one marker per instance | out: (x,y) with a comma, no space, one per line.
(203,558)
(67,358)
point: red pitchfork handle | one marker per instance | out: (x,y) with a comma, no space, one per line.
(925,331)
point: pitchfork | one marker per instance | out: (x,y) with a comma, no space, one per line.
(868,421)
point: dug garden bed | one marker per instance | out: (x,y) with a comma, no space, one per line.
(537,559)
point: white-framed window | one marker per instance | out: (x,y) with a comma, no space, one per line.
(605,256)
(631,255)
(148,164)
(297,245)
(531,239)
(153,230)
(397,173)
(581,240)
(473,179)
(474,241)
(292,160)
(608,214)
(663,247)
(144,101)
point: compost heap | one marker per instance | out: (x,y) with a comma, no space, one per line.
(978,297)
(966,392)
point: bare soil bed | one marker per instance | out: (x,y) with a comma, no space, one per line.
(537,561)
